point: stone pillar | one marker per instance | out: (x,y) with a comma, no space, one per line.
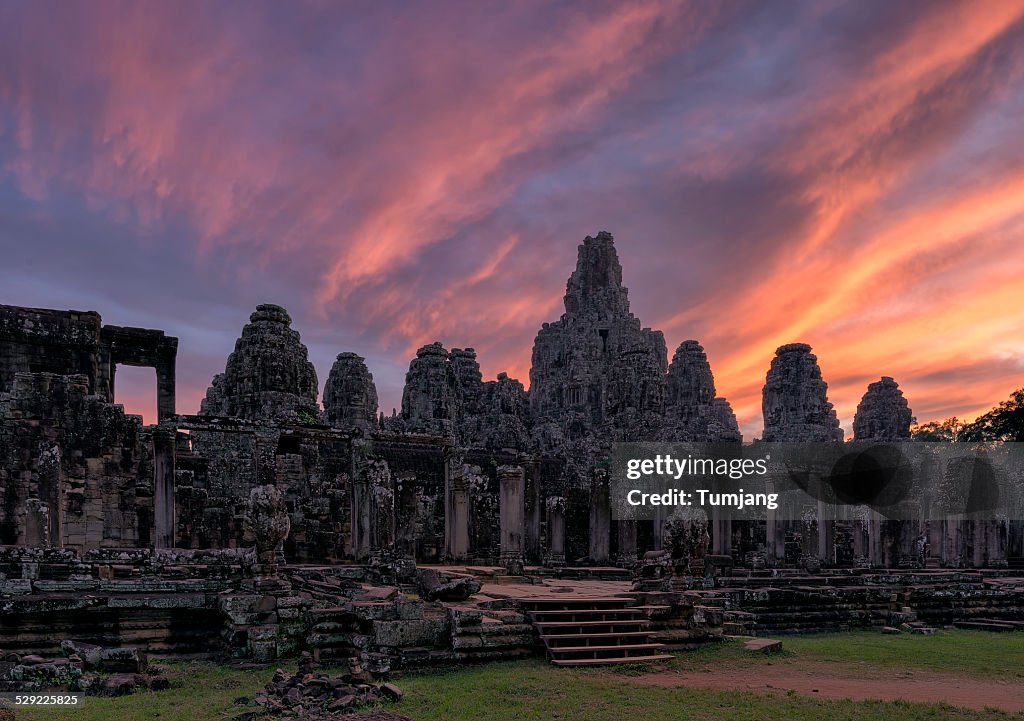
(406,511)
(952,541)
(362,521)
(165,386)
(534,508)
(513,521)
(600,517)
(382,508)
(996,540)
(907,533)
(775,534)
(826,535)
(627,543)
(37,523)
(810,557)
(721,531)
(163,487)
(876,550)
(456,510)
(556,531)
(658,528)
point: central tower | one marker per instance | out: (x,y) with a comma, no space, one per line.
(596,370)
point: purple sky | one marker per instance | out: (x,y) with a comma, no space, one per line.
(849,175)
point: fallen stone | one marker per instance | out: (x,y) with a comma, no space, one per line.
(120,684)
(890,630)
(459,589)
(763,645)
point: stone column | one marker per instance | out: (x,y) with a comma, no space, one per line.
(658,528)
(407,508)
(600,517)
(361,516)
(382,508)
(996,540)
(876,547)
(627,543)
(826,534)
(721,530)
(37,523)
(810,557)
(513,521)
(534,508)
(456,510)
(163,486)
(556,531)
(953,541)
(165,387)
(775,534)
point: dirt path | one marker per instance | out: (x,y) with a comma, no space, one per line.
(918,686)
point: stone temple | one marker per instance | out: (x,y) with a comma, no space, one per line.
(267,524)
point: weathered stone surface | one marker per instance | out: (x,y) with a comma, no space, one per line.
(499,419)
(692,410)
(795,403)
(430,400)
(350,396)
(267,520)
(72,467)
(595,370)
(883,413)
(268,376)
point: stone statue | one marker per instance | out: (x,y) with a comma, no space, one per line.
(267,521)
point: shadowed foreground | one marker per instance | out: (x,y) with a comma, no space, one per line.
(532,689)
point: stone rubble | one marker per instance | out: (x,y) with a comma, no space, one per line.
(314,696)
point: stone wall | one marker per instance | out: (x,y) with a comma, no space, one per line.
(74,470)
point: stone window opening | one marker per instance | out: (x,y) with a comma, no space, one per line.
(289,445)
(136,390)
(604,339)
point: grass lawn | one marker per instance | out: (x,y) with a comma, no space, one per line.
(534,690)
(968,654)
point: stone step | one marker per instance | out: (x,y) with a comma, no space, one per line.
(574,602)
(610,661)
(559,650)
(601,637)
(980,625)
(587,614)
(589,624)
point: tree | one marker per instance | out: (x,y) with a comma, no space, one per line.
(947,431)
(1005,422)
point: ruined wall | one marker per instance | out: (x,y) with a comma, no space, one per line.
(34,340)
(73,468)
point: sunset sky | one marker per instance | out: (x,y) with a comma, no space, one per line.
(850,175)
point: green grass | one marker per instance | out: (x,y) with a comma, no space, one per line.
(534,690)
(969,654)
(975,654)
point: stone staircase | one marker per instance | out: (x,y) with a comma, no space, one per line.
(594,631)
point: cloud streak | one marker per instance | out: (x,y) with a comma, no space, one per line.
(846,174)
